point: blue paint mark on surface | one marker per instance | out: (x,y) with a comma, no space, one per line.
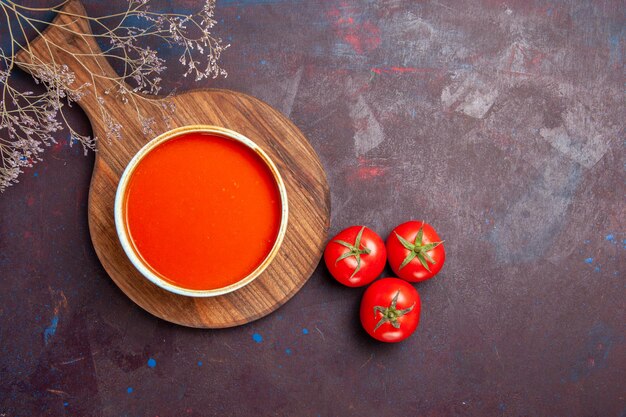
(305,331)
(151,363)
(199,363)
(65,404)
(35,174)
(597,269)
(594,354)
(288,351)
(615,51)
(136,21)
(129,390)
(50,330)
(5,41)
(263,62)
(610,238)
(257,338)
(588,260)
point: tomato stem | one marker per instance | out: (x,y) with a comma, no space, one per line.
(353,250)
(391,314)
(418,249)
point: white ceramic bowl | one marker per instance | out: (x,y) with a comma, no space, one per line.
(122,226)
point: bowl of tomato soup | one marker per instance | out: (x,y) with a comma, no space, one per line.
(201,211)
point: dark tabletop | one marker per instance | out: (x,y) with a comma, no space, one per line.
(500,123)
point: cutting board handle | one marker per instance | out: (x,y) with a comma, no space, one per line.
(64,43)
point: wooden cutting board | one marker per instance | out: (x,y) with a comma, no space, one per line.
(304,177)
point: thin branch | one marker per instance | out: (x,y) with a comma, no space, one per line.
(28,121)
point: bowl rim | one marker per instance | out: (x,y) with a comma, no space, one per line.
(121,225)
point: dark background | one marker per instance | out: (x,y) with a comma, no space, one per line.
(500,123)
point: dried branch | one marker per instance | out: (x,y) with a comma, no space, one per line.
(28,121)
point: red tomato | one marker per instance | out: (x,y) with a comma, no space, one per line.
(356,256)
(415,251)
(390,310)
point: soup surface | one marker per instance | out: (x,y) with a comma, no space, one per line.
(202,211)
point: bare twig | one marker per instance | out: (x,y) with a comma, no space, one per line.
(29,120)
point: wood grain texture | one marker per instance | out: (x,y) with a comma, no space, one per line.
(304,177)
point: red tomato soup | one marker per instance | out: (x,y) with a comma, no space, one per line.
(202,211)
